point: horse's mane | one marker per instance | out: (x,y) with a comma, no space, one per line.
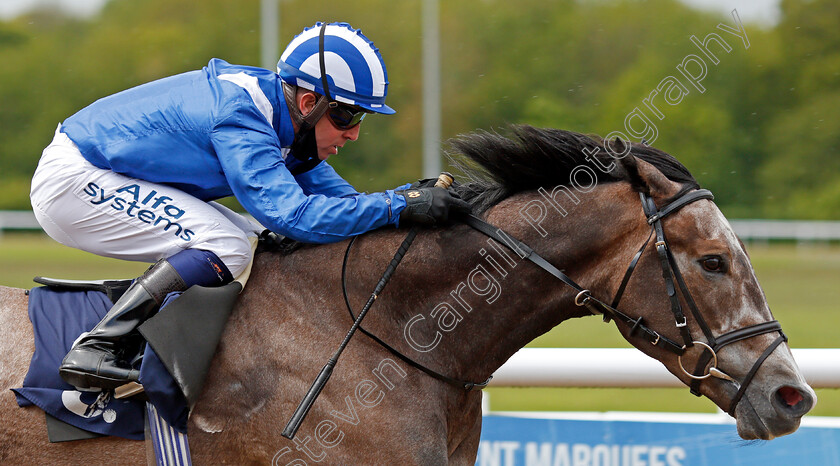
(495,166)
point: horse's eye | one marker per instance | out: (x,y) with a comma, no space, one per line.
(712,264)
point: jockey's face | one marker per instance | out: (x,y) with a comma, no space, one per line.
(327,137)
(330,138)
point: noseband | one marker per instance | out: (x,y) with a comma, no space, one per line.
(673,282)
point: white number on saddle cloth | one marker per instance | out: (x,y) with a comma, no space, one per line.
(72,400)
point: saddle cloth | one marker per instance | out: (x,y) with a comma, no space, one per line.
(58,318)
(185,335)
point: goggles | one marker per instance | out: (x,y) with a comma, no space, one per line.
(344,116)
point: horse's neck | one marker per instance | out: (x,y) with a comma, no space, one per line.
(591,242)
(525,301)
(459,302)
(462,304)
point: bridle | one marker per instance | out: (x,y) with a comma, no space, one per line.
(671,273)
(674,284)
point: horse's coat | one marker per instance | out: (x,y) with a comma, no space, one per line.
(378,410)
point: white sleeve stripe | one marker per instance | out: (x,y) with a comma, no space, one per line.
(250,84)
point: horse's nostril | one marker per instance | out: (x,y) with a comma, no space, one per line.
(790,401)
(790,396)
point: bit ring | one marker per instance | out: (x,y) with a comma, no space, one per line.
(713,366)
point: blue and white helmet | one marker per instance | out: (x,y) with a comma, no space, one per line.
(355,71)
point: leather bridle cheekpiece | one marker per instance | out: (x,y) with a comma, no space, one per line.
(674,284)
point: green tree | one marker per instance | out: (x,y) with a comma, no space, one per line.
(755,137)
(802,171)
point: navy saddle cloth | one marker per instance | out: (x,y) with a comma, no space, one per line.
(59,316)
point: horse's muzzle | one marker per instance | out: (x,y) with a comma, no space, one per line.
(776,415)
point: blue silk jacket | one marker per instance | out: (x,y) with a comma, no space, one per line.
(222,131)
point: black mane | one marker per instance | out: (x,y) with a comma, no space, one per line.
(495,166)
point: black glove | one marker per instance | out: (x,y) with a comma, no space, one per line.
(424,183)
(430,182)
(428,206)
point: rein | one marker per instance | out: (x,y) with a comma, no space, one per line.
(437,375)
(674,284)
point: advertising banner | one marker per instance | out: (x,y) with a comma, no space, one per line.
(647,439)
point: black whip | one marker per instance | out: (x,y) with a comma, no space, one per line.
(444,181)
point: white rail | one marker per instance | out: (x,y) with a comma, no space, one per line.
(18,220)
(798,230)
(748,230)
(627,367)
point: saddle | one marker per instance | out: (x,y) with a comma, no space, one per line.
(113,289)
(182,339)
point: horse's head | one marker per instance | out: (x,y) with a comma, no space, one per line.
(732,315)
(691,300)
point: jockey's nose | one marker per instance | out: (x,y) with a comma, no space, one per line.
(352,133)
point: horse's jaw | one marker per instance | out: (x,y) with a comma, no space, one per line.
(774,401)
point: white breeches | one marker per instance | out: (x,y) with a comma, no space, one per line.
(113,215)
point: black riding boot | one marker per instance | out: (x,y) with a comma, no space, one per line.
(96,360)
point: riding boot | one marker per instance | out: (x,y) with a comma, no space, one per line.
(98,358)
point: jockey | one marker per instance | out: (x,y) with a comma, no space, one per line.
(134,175)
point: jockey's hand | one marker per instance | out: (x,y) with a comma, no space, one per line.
(429,206)
(424,183)
(270,240)
(430,182)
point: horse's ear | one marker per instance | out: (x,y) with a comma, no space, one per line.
(631,167)
(646,178)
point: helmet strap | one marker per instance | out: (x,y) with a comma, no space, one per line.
(304,121)
(304,146)
(324,82)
